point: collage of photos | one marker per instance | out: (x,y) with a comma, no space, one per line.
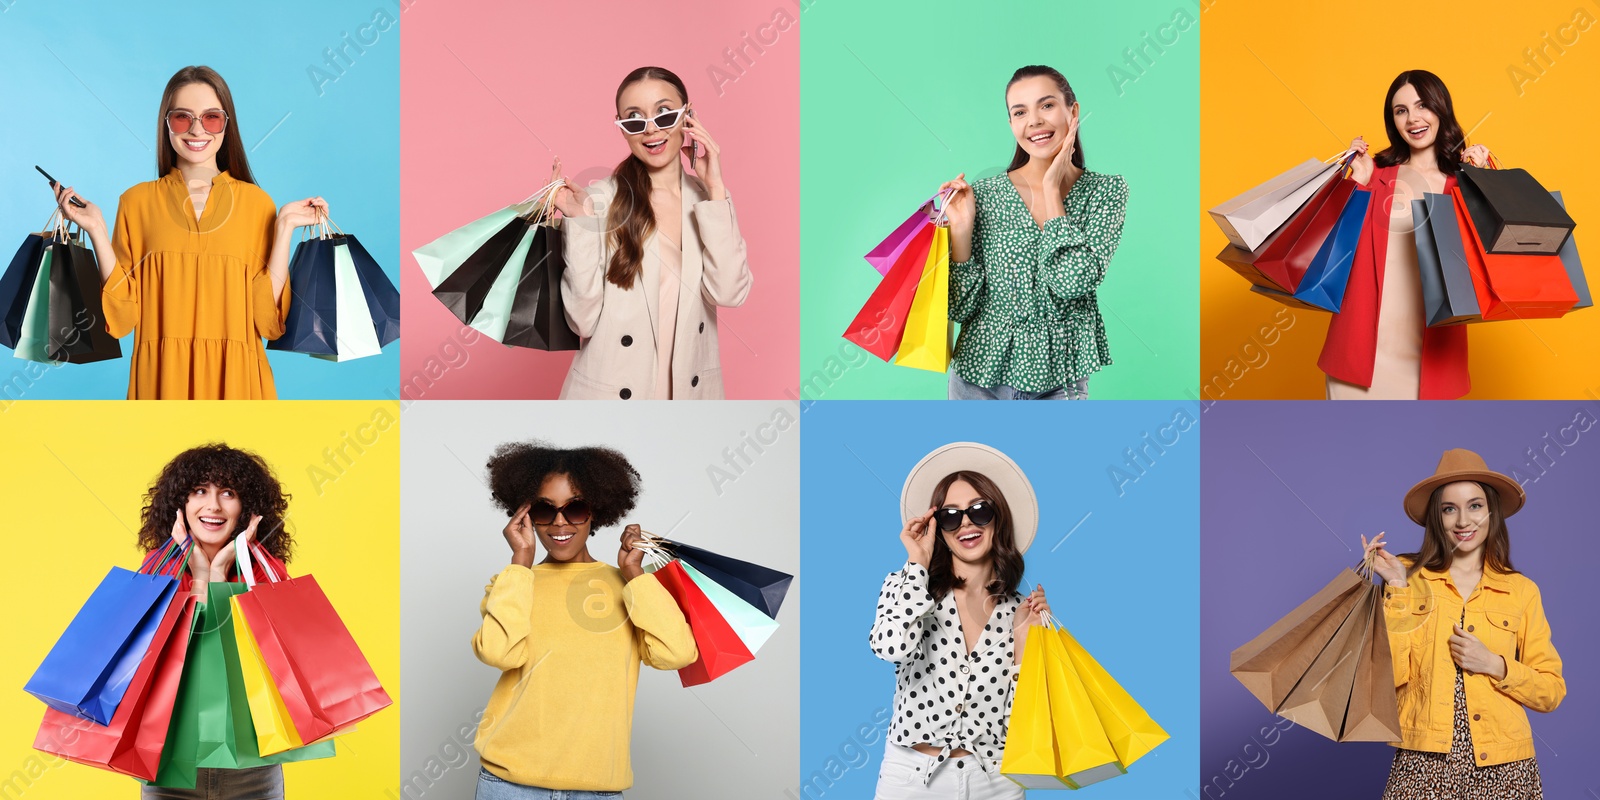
(380,253)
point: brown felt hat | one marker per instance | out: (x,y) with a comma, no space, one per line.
(1463,465)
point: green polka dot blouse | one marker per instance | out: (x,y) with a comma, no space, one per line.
(1026,298)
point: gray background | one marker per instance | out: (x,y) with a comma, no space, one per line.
(736,737)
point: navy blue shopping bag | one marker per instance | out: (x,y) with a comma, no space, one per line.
(15,286)
(88,670)
(312,324)
(383,299)
(759,586)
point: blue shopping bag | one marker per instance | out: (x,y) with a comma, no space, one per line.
(383,299)
(89,668)
(311,326)
(1325,280)
(759,586)
(15,287)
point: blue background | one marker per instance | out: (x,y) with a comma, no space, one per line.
(1124,582)
(87,114)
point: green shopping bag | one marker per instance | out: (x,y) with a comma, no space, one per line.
(211,724)
(34,342)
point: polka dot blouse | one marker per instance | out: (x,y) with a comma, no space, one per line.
(944,696)
(1026,296)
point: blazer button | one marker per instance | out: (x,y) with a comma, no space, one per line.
(695,381)
(625,393)
(702,327)
(627,341)
(1471,628)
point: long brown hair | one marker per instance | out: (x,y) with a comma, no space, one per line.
(1068,97)
(1437,548)
(232,158)
(1007,559)
(630,217)
(246,473)
(1447,143)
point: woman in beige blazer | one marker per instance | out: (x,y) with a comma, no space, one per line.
(651,253)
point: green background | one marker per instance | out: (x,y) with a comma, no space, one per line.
(896,99)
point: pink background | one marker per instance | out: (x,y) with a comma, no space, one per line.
(483,82)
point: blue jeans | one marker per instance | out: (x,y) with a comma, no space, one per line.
(962,389)
(491,787)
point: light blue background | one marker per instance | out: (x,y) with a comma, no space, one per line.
(91,123)
(1124,582)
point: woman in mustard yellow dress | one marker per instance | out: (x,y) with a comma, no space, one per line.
(199,266)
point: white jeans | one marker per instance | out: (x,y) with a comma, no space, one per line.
(900,778)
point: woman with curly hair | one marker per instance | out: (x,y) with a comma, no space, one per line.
(559,720)
(213,493)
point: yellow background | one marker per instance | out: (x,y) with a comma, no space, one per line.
(75,474)
(1281,82)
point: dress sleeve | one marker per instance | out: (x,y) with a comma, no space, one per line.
(725,277)
(902,603)
(1534,677)
(507,608)
(119,296)
(968,284)
(583,283)
(662,634)
(1073,256)
(269,312)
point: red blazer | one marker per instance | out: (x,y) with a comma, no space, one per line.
(1352,342)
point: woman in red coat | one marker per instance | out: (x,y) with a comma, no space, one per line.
(1378,345)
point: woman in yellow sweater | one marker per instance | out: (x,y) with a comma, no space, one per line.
(569,632)
(199,266)
(1470,641)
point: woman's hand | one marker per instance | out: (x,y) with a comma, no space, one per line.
(630,558)
(1062,173)
(1029,613)
(708,164)
(570,201)
(520,535)
(223,561)
(88,218)
(301,213)
(1361,168)
(918,539)
(961,209)
(1470,654)
(1389,567)
(1476,155)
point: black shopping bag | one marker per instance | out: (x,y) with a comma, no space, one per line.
(538,318)
(1512,212)
(464,289)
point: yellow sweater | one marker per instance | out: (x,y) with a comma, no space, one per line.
(569,639)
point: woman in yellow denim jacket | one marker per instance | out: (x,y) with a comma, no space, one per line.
(1470,642)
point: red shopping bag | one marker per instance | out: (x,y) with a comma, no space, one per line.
(324,680)
(721,649)
(881,323)
(1513,286)
(1286,258)
(131,744)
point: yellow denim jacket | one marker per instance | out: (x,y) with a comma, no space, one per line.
(1505,613)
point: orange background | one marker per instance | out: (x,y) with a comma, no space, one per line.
(1281,83)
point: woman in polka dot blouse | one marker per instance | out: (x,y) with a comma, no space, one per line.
(953,624)
(1028,250)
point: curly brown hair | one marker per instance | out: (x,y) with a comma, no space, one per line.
(600,475)
(246,473)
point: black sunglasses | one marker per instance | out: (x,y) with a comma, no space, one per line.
(981,513)
(543,512)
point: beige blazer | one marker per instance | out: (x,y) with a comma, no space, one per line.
(617,359)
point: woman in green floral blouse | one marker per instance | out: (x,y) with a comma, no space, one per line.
(1027,250)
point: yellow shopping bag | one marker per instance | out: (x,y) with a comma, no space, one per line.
(1086,753)
(275,732)
(926,343)
(1131,731)
(1030,756)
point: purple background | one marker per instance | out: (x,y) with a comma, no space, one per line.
(1269,541)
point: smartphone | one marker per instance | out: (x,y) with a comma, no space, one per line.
(695,146)
(54,184)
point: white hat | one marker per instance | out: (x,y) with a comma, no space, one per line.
(986,461)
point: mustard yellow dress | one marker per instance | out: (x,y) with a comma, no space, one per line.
(197,291)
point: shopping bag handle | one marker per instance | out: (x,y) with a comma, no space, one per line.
(941,207)
(242,546)
(156,566)
(657,550)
